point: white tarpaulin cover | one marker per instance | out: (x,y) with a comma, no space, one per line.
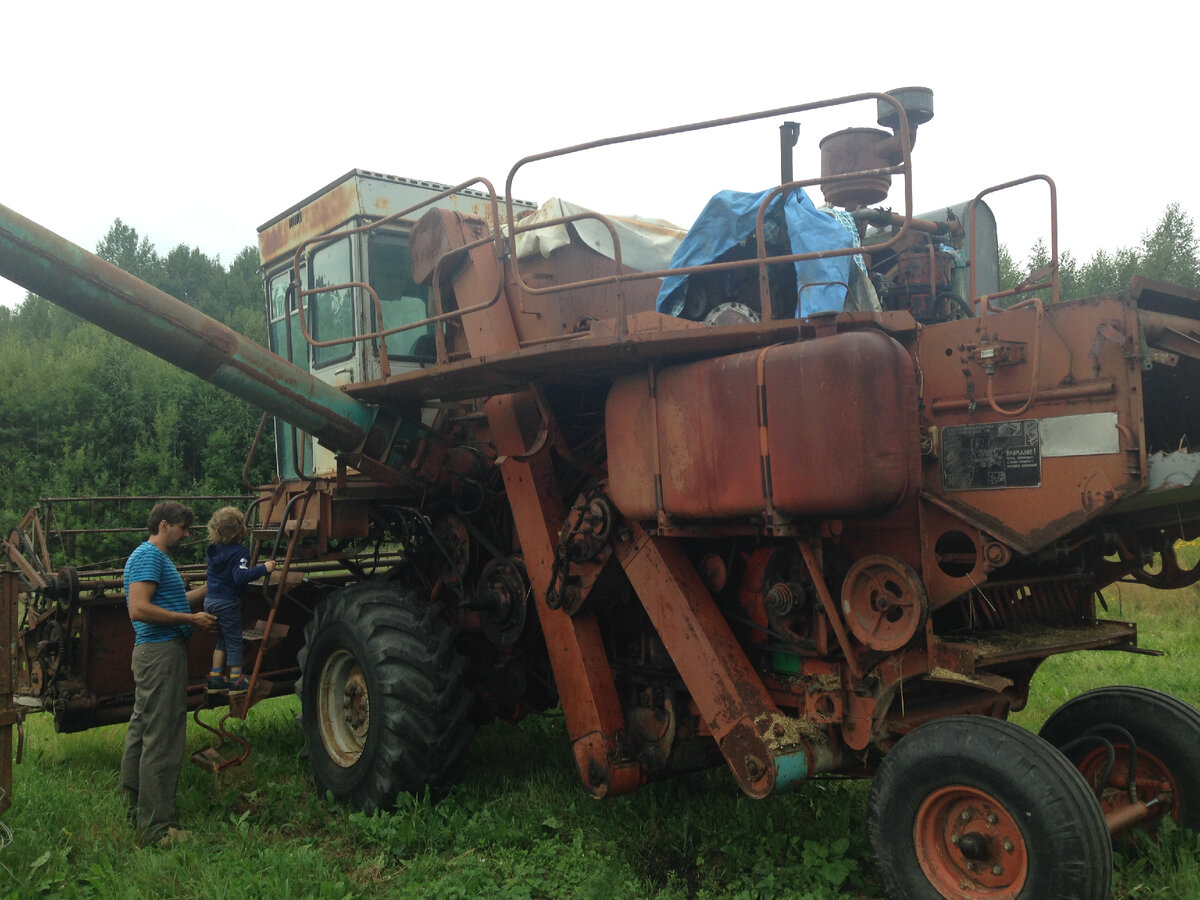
(647,245)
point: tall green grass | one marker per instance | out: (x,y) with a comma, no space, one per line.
(1168,865)
(519,826)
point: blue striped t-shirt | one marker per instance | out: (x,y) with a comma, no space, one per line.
(148,563)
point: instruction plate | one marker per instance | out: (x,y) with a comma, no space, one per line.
(992,456)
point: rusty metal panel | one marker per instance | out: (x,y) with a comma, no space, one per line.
(543,316)
(739,435)
(107,636)
(584,680)
(1035,416)
(355,195)
(730,694)
(846,404)
(337,205)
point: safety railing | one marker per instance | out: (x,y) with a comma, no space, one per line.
(504,239)
(296,291)
(1036,280)
(762,261)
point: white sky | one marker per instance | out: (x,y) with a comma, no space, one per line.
(195,123)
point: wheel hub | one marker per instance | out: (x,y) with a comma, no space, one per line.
(356,706)
(969,845)
(1154,783)
(975,846)
(343,708)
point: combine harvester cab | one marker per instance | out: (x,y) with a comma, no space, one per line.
(814,496)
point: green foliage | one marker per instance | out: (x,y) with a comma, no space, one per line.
(122,247)
(1168,253)
(83,413)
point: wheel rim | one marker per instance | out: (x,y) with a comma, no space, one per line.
(1153,779)
(969,846)
(343,708)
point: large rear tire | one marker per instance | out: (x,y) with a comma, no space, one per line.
(969,807)
(383,700)
(1166,733)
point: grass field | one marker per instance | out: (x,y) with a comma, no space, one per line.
(519,826)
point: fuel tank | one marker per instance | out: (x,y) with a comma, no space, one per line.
(820,428)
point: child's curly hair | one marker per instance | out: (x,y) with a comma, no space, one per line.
(227,525)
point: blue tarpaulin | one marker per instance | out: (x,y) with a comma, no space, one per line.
(729,218)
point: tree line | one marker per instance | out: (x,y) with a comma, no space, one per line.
(1168,252)
(83,413)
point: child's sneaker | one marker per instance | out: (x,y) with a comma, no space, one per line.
(238,685)
(218,683)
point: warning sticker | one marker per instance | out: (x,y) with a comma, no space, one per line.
(998,455)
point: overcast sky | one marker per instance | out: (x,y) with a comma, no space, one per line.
(196,123)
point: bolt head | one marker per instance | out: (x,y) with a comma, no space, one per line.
(997,870)
(992,820)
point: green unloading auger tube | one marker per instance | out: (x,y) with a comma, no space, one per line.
(95,290)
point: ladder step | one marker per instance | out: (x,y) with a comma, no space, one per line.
(271,589)
(255,635)
(209,759)
(293,577)
(240,701)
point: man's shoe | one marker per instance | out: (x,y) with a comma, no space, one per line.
(172,837)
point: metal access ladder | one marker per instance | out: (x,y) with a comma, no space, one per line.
(264,635)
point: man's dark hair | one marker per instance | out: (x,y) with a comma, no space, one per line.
(170,512)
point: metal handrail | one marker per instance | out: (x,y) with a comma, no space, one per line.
(379,334)
(903,168)
(505,239)
(1030,284)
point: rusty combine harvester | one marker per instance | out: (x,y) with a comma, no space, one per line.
(821,501)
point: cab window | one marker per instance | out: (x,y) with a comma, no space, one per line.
(402,299)
(283,307)
(332,311)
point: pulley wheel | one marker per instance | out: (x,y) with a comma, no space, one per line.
(587,538)
(884,602)
(67,593)
(503,601)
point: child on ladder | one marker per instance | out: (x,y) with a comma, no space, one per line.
(229,573)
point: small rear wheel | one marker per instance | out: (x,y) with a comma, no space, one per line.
(383,700)
(1152,736)
(970,807)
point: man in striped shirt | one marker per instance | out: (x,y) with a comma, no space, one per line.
(160,608)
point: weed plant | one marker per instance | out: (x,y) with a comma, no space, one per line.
(519,825)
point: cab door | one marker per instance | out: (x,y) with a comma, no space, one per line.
(293,448)
(333,312)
